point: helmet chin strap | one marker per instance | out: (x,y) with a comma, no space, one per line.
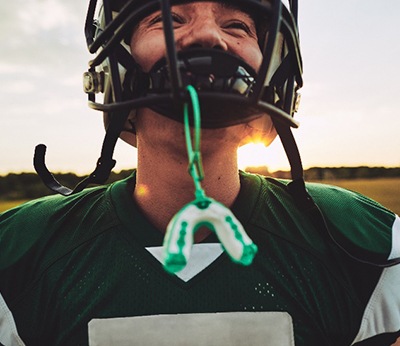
(297,186)
(104,164)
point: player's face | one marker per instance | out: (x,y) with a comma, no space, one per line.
(198,24)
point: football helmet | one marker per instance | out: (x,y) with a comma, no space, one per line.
(230,91)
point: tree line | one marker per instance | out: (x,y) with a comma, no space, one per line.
(21,186)
(24,186)
(334,173)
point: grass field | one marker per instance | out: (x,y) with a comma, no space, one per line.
(384,190)
(5,205)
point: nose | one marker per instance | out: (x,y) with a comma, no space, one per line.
(202,34)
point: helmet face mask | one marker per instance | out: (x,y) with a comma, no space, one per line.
(126,87)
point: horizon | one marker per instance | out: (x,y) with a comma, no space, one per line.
(243,168)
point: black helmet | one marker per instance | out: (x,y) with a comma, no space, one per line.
(222,80)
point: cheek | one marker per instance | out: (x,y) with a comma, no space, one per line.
(249,52)
(253,57)
(147,50)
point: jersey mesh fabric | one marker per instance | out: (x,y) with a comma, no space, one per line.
(83,257)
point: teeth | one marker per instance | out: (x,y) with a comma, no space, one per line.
(205,72)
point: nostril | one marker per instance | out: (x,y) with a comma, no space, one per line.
(198,45)
(201,38)
(195,45)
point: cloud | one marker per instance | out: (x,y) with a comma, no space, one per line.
(43,51)
(40,27)
(20,87)
(48,15)
(8,68)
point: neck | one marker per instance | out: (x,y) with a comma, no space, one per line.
(164,186)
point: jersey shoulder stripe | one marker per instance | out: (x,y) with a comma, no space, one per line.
(382,314)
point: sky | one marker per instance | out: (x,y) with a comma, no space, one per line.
(349,111)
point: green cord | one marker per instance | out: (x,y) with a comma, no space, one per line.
(195,165)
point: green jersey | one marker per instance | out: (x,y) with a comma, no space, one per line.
(66,261)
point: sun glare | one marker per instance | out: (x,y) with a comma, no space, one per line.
(252,154)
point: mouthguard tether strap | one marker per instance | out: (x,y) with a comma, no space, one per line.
(202,211)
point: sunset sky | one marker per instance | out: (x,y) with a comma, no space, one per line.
(349,112)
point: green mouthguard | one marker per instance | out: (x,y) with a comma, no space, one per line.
(202,211)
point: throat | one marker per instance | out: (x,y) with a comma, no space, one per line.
(160,201)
